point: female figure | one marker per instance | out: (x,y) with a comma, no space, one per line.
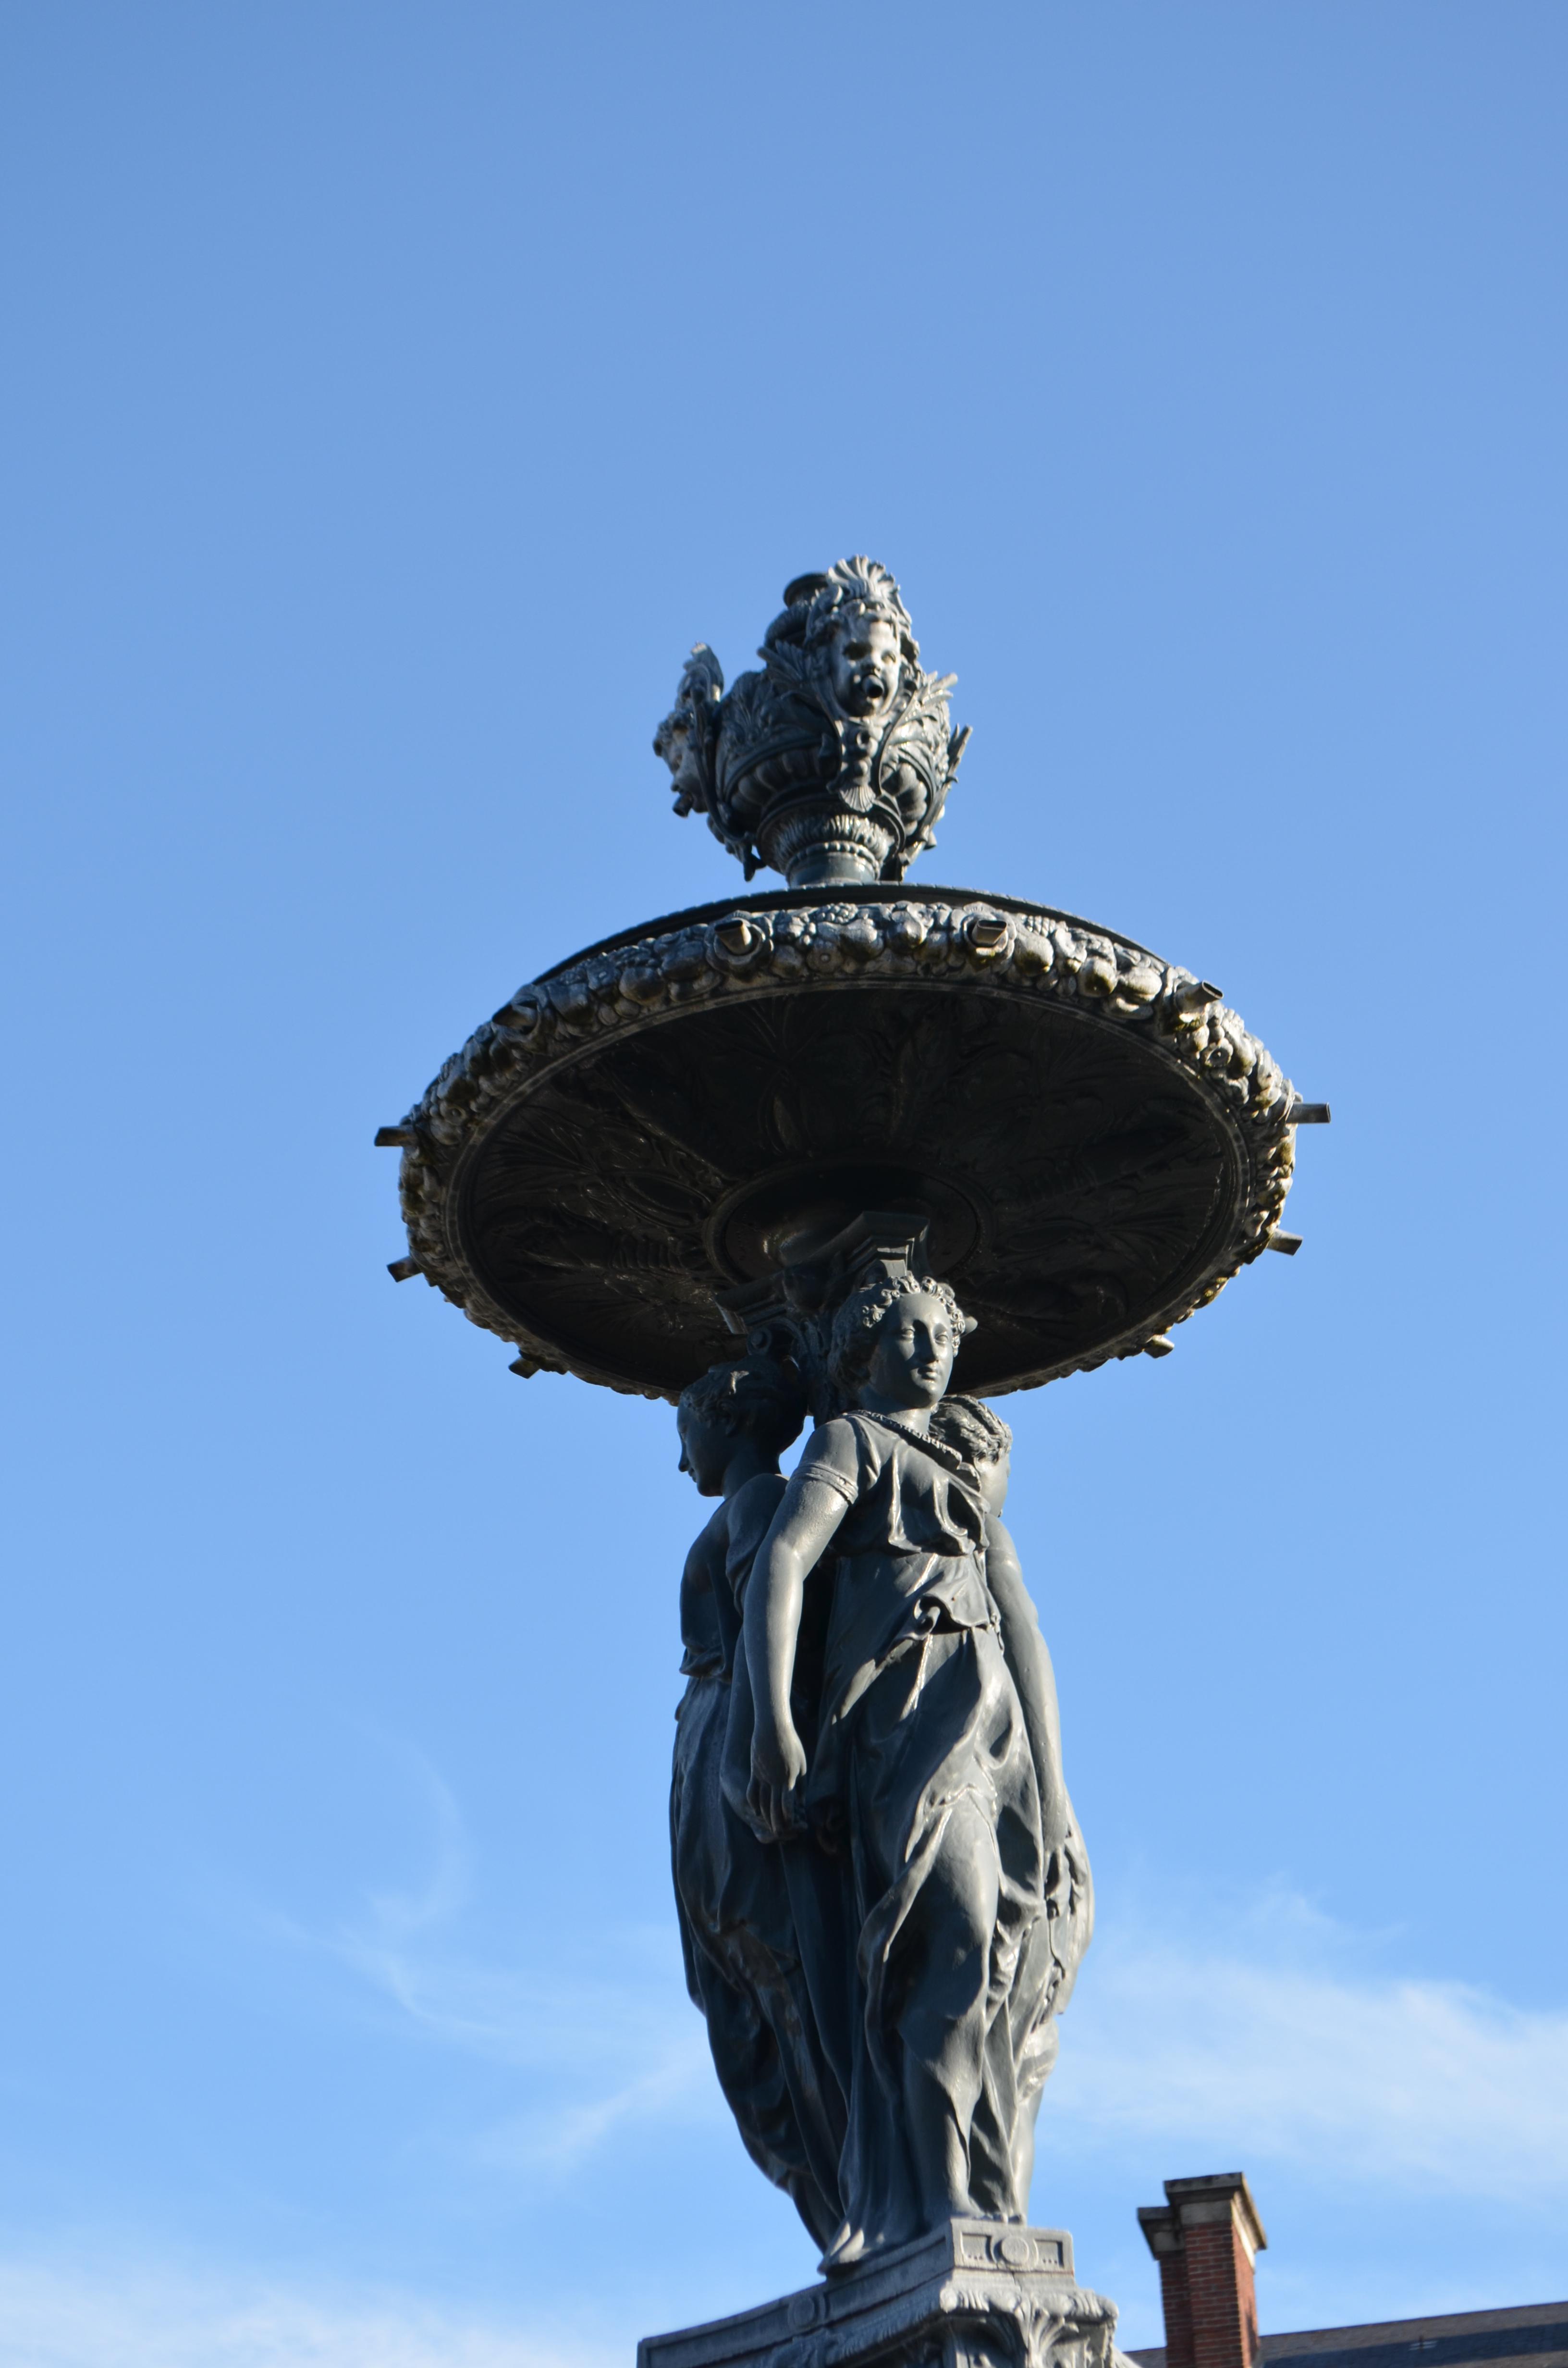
(734,1897)
(945,1811)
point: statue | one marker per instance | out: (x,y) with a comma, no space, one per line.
(916,1147)
(884,1893)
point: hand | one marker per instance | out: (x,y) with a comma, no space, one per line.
(1056,1823)
(777,1765)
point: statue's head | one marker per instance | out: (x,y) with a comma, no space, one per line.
(682,739)
(859,633)
(899,1338)
(754,1399)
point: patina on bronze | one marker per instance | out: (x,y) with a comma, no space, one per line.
(832,764)
(883,1892)
(873,1155)
(1093,1138)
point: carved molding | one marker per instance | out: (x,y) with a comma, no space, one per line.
(832,763)
(971,2294)
(977,952)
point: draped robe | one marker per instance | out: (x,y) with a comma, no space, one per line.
(810,1957)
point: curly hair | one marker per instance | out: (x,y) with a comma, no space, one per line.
(754,1398)
(853,586)
(856,1323)
(969,1425)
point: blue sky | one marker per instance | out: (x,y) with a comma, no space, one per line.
(393,395)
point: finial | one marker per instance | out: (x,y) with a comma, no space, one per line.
(834,763)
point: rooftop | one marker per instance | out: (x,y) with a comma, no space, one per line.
(1536,2332)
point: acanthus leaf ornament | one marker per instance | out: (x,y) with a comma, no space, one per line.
(834,763)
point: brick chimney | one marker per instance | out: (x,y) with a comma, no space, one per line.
(1205,2237)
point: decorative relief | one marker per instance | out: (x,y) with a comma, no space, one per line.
(731,1019)
(835,761)
(987,2323)
(918,2306)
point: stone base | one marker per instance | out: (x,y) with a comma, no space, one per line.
(976,2294)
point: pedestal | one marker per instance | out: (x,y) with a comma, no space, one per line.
(972,2295)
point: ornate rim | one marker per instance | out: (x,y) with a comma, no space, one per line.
(749,951)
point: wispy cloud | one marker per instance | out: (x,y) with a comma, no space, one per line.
(1262,2033)
(1278,2037)
(600,2049)
(82,2314)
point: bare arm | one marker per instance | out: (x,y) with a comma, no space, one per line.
(802,1529)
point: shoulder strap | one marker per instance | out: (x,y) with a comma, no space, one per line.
(937,1449)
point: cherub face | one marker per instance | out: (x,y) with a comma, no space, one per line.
(865,662)
(912,1361)
(673,738)
(705,1452)
(674,743)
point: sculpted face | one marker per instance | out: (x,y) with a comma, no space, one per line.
(912,1359)
(705,1452)
(994,1484)
(674,743)
(865,662)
